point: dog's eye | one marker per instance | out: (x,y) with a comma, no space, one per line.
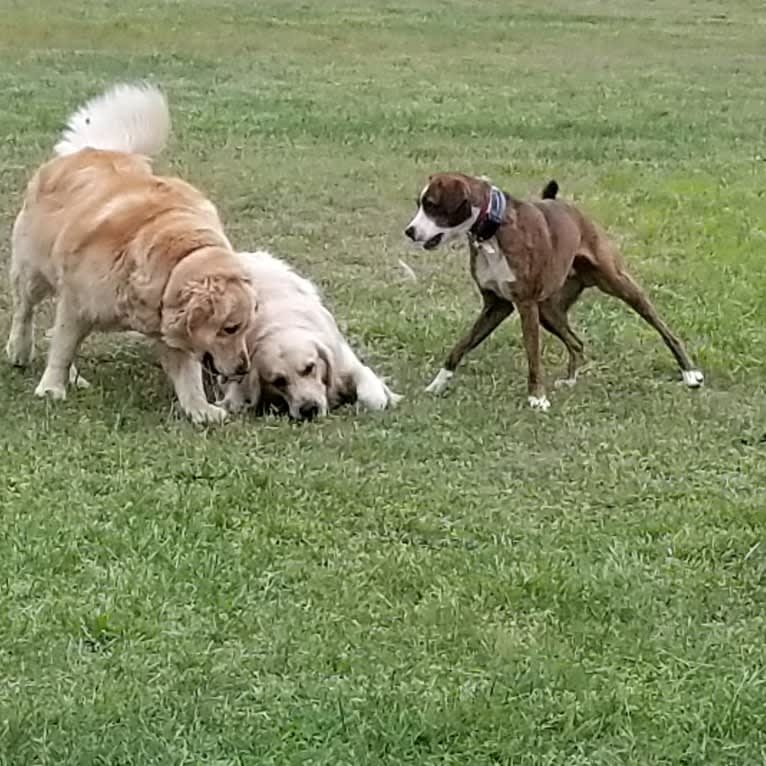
(279,382)
(232,329)
(308,369)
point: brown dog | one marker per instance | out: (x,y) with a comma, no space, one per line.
(535,255)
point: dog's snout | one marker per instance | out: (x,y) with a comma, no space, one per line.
(308,410)
(410,232)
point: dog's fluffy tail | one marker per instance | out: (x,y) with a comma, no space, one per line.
(131,118)
(551,190)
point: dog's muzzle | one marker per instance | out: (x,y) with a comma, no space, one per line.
(243,368)
(411,233)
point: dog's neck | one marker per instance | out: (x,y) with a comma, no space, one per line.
(493,203)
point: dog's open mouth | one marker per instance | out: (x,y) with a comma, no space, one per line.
(232,378)
(430,244)
(208,365)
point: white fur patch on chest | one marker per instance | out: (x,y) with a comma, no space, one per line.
(491,269)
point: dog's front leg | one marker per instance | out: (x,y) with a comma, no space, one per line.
(185,372)
(493,312)
(529,313)
(359,380)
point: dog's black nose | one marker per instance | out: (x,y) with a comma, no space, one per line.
(309,410)
(410,232)
(243,367)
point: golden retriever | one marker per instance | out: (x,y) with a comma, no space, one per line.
(301,361)
(124,249)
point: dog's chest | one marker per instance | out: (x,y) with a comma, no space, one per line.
(491,270)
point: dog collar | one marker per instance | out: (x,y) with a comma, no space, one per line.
(491,215)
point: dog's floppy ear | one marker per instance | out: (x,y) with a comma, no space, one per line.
(329,363)
(199,307)
(340,389)
(190,309)
(461,196)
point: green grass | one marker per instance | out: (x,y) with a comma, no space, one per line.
(462,581)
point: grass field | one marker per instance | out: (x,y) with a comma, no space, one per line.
(461,581)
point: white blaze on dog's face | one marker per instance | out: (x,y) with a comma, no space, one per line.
(444,211)
(295,367)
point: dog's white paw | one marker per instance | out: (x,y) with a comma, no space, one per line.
(209,413)
(76,379)
(19,353)
(439,383)
(539,403)
(373,395)
(49,390)
(693,378)
(561,382)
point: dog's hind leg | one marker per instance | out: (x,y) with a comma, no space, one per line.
(28,288)
(555,321)
(493,312)
(69,329)
(619,283)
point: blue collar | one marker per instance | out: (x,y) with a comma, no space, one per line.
(491,216)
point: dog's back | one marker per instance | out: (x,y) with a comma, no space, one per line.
(275,280)
(595,243)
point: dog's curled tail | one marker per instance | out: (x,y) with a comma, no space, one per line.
(551,190)
(129,117)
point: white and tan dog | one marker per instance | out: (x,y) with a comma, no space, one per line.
(124,249)
(301,361)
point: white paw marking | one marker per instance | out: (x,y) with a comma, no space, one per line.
(539,403)
(373,397)
(53,391)
(439,383)
(210,413)
(693,378)
(394,399)
(18,354)
(371,392)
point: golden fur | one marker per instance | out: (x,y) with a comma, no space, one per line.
(124,249)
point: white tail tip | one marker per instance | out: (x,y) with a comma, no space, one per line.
(132,118)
